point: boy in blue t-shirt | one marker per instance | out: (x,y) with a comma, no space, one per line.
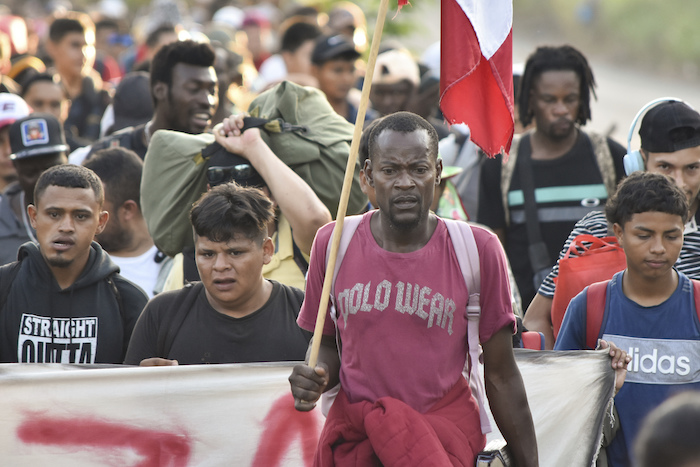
(650,308)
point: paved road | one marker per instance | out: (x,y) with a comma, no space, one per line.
(621,90)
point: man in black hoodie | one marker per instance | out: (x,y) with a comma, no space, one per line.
(64,301)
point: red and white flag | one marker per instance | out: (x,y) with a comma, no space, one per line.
(476,70)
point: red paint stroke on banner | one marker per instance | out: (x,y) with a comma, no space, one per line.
(157,447)
(282,425)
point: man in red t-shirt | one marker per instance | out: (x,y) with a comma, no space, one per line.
(400,298)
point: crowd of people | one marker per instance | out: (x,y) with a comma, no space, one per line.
(168,193)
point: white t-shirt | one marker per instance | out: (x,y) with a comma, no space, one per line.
(141,270)
(78,156)
(272,70)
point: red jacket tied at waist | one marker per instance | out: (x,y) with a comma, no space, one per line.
(390,433)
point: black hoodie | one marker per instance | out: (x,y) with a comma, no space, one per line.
(88,323)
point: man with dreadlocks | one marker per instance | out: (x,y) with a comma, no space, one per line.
(556,172)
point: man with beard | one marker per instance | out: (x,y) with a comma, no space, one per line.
(555,174)
(392,354)
(185,95)
(126,237)
(63,301)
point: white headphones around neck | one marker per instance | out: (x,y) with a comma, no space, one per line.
(633,160)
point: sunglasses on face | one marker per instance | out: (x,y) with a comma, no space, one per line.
(218,175)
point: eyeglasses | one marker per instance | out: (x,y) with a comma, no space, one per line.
(219,175)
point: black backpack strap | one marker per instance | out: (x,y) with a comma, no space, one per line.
(123,138)
(299,259)
(118,296)
(170,326)
(8,273)
(189,265)
(537,249)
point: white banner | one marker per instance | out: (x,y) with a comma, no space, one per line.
(568,393)
(209,415)
(242,415)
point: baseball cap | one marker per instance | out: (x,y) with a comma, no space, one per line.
(255,18)
(340,17)
(230,16)
(331,47)
(132,101)
(36,135)
(670,126)
(224,167)
(12,108)
(394,66)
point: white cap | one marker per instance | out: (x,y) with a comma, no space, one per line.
(230,16)
(394,66)
(113,8)
(12,108)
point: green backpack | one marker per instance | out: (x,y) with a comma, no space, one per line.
(174,172)
(320,154)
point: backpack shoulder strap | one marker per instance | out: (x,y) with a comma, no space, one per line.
(532,340)
(350,225)
(189,265)
(467,253)
(507,169)
(604,159)
(170,326)
(120,304)
(121,138)
(8,273)
(595,312)
(299,259)
(696,295)
(118,296)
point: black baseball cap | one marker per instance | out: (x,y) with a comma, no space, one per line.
(224,167)
(36,135)
(670,126)
(332,47)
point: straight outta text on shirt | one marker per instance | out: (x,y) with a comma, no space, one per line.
(57,340)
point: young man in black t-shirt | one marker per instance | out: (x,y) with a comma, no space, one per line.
(333,65)
(234,315)
(71,47)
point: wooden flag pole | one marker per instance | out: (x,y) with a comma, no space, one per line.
(347,183)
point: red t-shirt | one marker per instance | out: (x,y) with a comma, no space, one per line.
(401,316)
